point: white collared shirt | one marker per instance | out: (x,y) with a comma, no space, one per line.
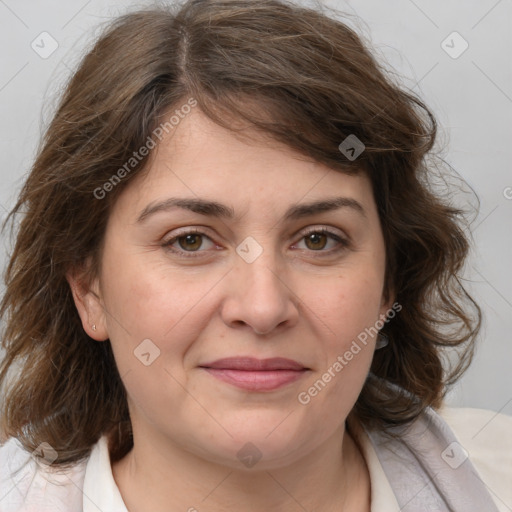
(89,486)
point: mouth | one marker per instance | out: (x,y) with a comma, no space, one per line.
(256,374)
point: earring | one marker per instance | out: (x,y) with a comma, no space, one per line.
(94,327)
(382,341)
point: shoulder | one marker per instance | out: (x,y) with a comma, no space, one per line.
(486,437)
(27,485)
(482,432)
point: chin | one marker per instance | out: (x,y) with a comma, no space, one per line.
(259,443)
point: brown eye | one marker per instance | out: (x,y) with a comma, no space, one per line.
(190,242)
(316,241)
(323,241)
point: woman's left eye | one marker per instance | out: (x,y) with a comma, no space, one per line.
(189,243)
(317,240)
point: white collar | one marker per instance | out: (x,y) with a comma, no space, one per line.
(100,489)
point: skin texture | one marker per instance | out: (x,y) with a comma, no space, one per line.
(298,300)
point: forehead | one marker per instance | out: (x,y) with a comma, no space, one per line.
(200,159)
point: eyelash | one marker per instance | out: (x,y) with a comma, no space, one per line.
(344,244)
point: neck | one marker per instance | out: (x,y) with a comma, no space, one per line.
(333,478)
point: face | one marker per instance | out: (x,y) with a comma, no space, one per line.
(223,318)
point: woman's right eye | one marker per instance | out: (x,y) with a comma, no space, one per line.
(188,242)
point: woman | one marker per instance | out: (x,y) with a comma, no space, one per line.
(232,286)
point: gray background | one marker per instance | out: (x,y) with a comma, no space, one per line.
(471,96)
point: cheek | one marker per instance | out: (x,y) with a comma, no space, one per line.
(349,307)
(152,301)
(150,298)
(156,303)
(347,304)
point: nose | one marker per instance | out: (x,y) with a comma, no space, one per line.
(258,296)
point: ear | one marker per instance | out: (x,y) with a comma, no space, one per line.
(387,302)
(88,302)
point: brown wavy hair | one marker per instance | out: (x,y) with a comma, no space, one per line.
(315,82)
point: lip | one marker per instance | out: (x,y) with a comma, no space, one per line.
(256,374)
(253,364)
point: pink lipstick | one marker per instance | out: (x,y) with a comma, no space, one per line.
(256,374)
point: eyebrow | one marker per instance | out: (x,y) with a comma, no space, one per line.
(215,209)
